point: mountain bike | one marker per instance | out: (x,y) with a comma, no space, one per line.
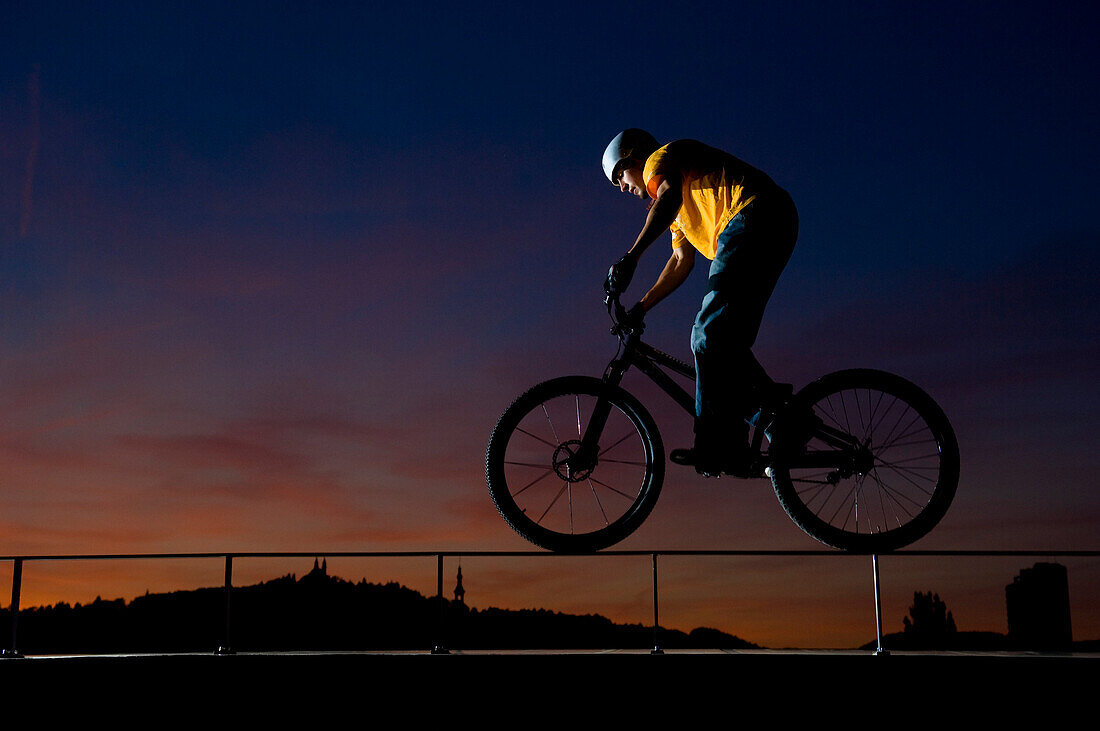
(861,460)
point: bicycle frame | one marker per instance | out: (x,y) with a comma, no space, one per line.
(651,361)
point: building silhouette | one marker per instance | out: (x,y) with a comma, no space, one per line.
(318,575)
(1038,608)
(460,593)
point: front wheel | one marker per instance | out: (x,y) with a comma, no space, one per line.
(559,491)
(873,465)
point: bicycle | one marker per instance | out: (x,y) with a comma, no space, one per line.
(861,460)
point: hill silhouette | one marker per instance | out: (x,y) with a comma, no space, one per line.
(322,612)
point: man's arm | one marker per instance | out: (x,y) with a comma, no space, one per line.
(661,215)
(675,272)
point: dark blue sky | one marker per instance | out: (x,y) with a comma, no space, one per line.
(251,234)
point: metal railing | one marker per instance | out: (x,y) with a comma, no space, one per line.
(226,647)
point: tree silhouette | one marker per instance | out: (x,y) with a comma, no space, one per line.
(929,622)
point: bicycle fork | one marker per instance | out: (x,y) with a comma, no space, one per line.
(587,454)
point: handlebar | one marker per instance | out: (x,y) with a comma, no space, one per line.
(620,317)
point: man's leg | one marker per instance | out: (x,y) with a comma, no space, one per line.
(752,252)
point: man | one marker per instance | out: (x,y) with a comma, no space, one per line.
(735,215)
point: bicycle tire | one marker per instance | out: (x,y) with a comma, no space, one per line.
(524,453)
(915,471)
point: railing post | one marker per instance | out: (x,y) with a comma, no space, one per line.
(226,648)
(878,608)
(16,586)
(656,645)
(440,648)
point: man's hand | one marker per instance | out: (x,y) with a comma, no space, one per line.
(620,273)
(634,318)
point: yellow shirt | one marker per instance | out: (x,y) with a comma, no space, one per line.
(715,187)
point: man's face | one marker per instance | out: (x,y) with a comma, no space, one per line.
(630,181)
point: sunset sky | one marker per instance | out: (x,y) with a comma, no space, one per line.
(269,272)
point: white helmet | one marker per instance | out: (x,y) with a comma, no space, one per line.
(629,145)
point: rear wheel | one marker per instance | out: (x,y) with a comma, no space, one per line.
(893,484)
(554,495)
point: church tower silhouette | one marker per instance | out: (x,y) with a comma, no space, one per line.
(318,575)
(460,593)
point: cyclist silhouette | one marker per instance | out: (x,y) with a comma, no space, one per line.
(737,217)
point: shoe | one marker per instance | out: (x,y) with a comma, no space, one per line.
(691,458)
(711,465)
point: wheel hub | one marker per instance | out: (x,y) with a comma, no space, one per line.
(567,464)
(864,459)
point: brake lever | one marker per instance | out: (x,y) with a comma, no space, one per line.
(611,301)
(619,313)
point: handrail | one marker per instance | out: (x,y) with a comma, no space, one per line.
(440,647)
(455,553)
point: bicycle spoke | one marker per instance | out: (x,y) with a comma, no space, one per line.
(527,464)
(608,449)
(847,420)
(532,482)
(871,419)
(623,461)
(851,507)
(869,501)
(831,415)
(876,427)
(890,435)
(844,499)
(909,459)
(613,489)
(817,492)
(569,493)
(598,503)
(865,504)
(894,494)
(551,423)
(861,501)
(552,502)
(884,491)
(810,477)
(524,431)
(881,449)
(912,470)
(910,480)
(908,431)
(859,412)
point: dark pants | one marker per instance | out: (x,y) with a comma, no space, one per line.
(752,251)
